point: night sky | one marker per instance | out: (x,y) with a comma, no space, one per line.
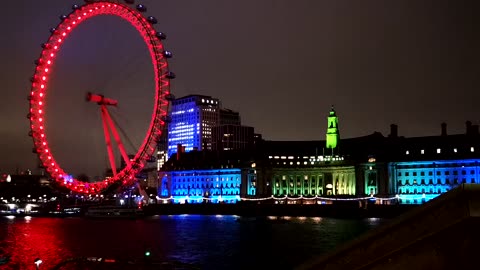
(280,63)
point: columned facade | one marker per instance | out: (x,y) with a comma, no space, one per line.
(315,181)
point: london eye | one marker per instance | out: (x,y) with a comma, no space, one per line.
(40,82)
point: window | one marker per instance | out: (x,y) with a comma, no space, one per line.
(439,150)
(422,151)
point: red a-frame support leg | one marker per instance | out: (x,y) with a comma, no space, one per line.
(106,123)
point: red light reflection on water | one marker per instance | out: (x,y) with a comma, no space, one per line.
(25,242)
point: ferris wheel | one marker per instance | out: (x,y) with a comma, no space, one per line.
(40,85)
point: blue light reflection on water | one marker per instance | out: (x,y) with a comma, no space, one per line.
(210,242)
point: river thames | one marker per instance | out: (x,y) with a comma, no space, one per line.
(206,242)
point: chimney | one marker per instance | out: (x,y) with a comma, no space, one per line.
(444,129)
(393,131)
(468,127)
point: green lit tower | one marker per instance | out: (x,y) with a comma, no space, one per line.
(333,135)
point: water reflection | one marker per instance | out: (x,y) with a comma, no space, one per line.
(211,242)
(25,241)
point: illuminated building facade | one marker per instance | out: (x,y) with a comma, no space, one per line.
(317,180)
(391,169)
(309,168)
(192,118)
(422,168)
(299,168)
(208,177)
(420,181)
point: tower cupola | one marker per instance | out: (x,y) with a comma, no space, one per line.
(333,135)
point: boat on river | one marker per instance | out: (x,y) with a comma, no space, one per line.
(114,212)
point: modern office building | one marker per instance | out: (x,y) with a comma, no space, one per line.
(232,137)
(229,117)
(162,149)
(192,119)
(200,123)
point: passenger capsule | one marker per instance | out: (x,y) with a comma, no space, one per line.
(170,75)
(161,35)
(152,20)
(167,54)
(141,8)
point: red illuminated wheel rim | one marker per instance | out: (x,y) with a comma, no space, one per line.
(44,69)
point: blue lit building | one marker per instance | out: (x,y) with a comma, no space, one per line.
(207,177)
(422,168)
(420,181)
(388,169)
(192,119)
